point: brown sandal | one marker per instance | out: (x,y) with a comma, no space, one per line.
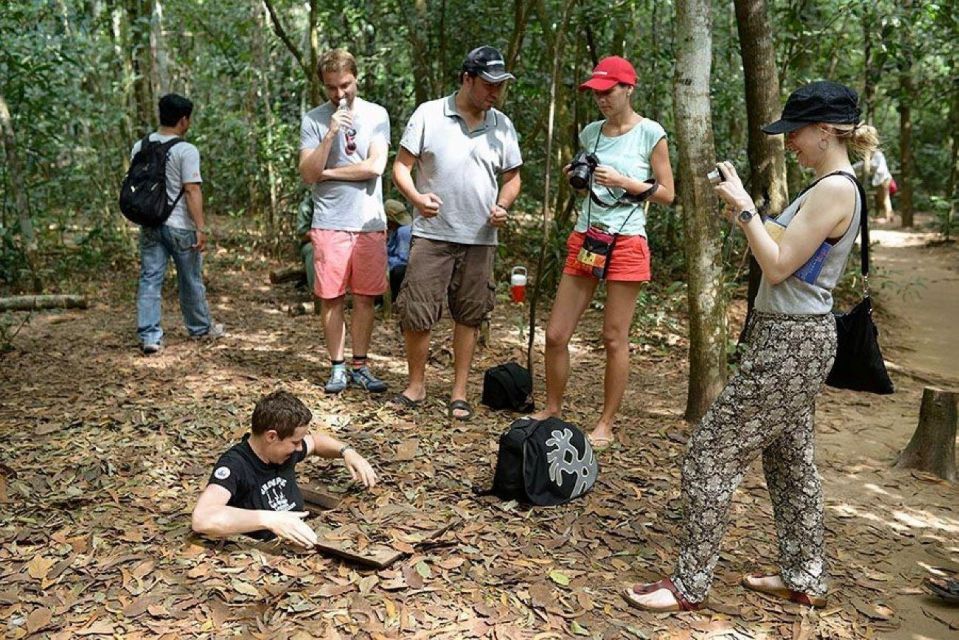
(682,604)
(784,593)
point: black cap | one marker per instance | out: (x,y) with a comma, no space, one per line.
(488,63)
(821,101)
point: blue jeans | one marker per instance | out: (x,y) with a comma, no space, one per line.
(157,246)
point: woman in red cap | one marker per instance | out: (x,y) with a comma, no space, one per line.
(767,408)
(631,162)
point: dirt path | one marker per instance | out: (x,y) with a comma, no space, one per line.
(914,516)
(919,287)
(103,451)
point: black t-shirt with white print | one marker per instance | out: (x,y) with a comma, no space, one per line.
(254,484)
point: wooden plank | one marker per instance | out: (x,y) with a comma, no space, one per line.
(378,556)
(317,497)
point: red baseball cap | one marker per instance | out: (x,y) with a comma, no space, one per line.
(610,72)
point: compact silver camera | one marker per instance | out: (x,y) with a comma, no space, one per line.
(716,176)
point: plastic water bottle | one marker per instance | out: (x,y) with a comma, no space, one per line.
(349,134)
(517,284)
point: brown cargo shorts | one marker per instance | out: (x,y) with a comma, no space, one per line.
(460,272)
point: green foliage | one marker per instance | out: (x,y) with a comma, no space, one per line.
(69,71)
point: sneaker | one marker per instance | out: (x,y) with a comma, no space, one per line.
(151,349)
(338,380)
(216,331)
(363,377)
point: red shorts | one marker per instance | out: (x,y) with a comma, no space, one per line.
(348,260)
(630,261)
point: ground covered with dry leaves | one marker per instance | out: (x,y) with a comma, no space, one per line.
(104,451)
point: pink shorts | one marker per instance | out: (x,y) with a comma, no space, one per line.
(630,261)
(348,260)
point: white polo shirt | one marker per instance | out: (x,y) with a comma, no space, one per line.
(462,167)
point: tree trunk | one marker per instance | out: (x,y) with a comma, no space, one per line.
(933,445)
(707,312)
(954,159)
(18,182)
(907,95)
(767,158)
(138,17)
(307,66)
(35,303)
(559,44)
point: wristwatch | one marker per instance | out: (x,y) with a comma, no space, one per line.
(344,449)
(746,215)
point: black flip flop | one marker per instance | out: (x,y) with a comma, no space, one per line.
(462,405)
(400,401)
(945,588)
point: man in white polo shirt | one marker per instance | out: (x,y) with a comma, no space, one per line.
(467,160)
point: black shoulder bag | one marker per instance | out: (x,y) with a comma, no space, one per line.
(859,365)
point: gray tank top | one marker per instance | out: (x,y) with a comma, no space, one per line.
(794,296)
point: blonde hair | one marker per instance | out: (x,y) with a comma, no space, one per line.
(860,138)
(336,60)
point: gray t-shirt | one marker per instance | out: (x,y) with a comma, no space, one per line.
(795,296)
(348,205)
(461,167)
(182,167)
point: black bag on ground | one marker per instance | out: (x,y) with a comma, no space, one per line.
(143,198)
(543,462)
(508,386)
(859,365)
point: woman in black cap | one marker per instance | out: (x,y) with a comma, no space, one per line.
(768,405)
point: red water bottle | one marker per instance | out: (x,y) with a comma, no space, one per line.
(517,284)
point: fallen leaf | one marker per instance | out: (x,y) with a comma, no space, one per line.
(423,569)
(38,619)
(245,588)
(578,629)
(406,451)
(559,577)
(39,566)
(99,628)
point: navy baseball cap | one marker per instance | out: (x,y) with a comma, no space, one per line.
(488,63)
(821,101)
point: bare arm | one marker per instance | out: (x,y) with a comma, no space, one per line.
(193,194)
(328,447)
(212,517)
(313,161)
(372,167)
(428,204)
(825,213)
(662,171)
(507,195)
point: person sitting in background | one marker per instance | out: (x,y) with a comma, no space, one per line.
(253,488)
(304,222)
(399,226)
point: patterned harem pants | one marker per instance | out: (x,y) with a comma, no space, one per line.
(767,406)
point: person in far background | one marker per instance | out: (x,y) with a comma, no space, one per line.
(399,225)
(883,182)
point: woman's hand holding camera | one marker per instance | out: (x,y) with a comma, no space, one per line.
(731,191)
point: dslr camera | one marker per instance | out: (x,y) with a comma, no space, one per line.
(716,176)
(581,169)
